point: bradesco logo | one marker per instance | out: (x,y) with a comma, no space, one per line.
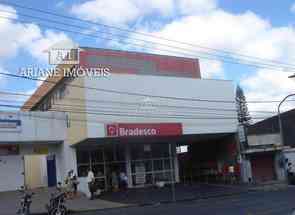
(157,129)
(112,130)
(137,132)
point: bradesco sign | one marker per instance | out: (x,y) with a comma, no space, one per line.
(144,129)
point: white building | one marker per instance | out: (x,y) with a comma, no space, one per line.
(133,120)
(27,137)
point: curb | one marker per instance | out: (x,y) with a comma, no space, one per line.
(159,203)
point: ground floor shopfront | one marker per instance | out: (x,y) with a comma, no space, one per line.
(33,165)
(145,163)
(149,161)
(266,165)
(148,153)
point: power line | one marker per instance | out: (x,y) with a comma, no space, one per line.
(120,92)
(140,33)
(127,114)
(151,42)
(139,109)
(99,101)
(83,121)
(145,47)
(198,99)
(137,94)
(124,114)
(133,109)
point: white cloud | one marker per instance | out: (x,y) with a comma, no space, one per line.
(38,48)
(245,33)
(104,10)
(268,85)
(211,69)
(202,22)
(187,7)
(130,11)
(29,37)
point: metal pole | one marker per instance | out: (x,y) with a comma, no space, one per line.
(172,174)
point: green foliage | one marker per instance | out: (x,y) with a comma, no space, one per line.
(242,107)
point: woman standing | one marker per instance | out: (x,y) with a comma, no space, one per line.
(91,183)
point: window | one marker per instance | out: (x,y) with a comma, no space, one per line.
(83,157)
(97,156)
(62,91)
(150,164)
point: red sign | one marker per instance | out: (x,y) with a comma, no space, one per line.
(148,129)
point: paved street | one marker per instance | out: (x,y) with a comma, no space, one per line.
(255,203)
(132,197)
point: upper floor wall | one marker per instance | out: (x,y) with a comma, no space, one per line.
(32,127)
(208,105)
(264,139)
(125,62)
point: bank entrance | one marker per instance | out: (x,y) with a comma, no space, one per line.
(145,163)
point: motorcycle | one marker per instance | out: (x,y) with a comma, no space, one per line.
(56,204)
(26,202)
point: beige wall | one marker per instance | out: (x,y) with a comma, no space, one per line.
(74,101)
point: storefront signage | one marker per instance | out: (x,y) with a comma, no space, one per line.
(9,150)
(9,122)
(241,132)
(143,129)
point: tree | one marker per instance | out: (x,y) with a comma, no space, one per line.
(242,108)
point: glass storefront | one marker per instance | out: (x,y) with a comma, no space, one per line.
(150,163)
(144,164)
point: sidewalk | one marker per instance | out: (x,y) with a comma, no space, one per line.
(144,196)
(270,186)
(10,202)
(132,197)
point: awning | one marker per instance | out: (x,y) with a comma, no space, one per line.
(265,149)
(179,140)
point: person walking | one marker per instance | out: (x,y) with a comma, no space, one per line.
(69,184)
(75,185)
(91,183)
(123,181)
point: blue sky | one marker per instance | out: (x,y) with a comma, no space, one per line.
(263,29)
(277,11)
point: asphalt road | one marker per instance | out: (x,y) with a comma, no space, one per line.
(255,203)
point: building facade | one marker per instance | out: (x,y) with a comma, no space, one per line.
(29,143)
(139,118)
(265,151)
